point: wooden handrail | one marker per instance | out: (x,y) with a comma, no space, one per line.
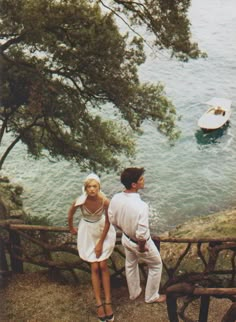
(14,226)
(214,291)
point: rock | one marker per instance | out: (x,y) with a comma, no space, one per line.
(4,213)
(18,190)
(17,214)
(4,179)
(221,224)
(11,205)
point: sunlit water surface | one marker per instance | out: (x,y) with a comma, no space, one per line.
(196,176)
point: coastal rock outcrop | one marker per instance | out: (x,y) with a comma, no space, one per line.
(11,205)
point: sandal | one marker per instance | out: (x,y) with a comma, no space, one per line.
(101,318)
(109,318)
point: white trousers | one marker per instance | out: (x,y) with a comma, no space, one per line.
(153,260)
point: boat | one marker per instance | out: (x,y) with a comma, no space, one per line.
(217,115)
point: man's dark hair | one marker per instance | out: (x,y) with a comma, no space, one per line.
(131,175)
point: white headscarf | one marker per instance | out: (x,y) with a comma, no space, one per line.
(92,176)
(82,198)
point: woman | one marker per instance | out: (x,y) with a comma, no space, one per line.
(96,240)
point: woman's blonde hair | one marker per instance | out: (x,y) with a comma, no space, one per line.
(88,181)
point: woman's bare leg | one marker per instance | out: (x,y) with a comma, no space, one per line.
(106,286)
(96,282)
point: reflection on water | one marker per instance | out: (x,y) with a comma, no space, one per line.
(211,137)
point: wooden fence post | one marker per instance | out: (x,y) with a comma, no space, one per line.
(3,260)
(204,307)
(44,239)
(15,244)
(171,302)
(3,263)
(157,242)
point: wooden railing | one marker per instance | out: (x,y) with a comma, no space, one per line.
(192,266)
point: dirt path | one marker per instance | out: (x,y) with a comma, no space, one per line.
(35,297)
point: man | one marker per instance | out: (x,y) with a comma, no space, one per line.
(130,214)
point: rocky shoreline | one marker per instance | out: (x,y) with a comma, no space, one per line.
(220,224)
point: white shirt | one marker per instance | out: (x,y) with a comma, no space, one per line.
(130,213)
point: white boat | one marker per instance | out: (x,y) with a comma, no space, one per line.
(217,115)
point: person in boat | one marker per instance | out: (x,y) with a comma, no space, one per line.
(218,110)
(95,240)
(130,214)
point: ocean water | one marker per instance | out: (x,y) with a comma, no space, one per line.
(194,177)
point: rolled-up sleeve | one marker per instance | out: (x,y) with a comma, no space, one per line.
(142,232)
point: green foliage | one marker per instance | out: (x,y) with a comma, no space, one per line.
(166,20)
(37,220)
(62,61)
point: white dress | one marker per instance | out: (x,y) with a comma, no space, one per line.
(90,229)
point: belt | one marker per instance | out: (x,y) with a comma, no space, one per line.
(91,221)
(134,241)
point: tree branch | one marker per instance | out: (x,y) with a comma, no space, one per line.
(8,150)
(11,41)
(125,22)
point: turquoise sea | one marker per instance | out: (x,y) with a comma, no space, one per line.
(196,176)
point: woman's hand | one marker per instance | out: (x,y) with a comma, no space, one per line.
(73,230)
(98,249)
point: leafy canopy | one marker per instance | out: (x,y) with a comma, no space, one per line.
(70,82)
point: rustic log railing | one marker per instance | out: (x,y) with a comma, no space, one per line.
(197,267)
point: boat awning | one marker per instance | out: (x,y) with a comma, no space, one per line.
(218,101)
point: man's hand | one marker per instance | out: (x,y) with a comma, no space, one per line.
(143,249)
(142,246)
